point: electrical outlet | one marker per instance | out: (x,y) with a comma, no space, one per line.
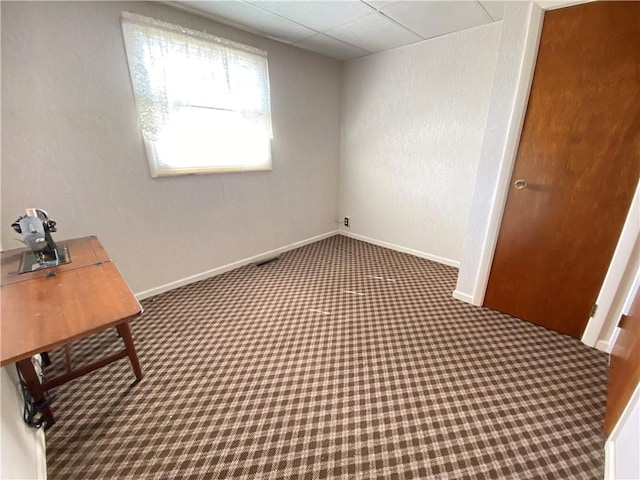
(347,221)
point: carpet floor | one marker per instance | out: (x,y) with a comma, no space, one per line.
(339,360)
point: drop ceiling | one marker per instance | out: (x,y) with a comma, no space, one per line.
(348,29)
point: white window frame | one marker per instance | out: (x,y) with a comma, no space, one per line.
(244,134)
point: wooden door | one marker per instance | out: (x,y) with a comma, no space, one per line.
(579,155)
(624,366)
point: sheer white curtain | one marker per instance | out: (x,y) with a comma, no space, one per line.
(203,102)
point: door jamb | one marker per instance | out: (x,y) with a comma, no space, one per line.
(510,151)
(596,334)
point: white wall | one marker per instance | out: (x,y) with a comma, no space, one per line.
(71,145)
(516,59)
(622,448)
(413,121)
(22,449)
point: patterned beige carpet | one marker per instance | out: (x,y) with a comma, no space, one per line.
(339,360)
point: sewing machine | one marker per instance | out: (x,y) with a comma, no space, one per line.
(36,228)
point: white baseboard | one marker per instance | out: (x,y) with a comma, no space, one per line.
(603,346)
(609,460)
(606,345)
(230,266)
(398,248)
(465,297)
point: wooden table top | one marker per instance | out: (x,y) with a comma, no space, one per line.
(40,313)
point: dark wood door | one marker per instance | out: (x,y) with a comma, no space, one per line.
(624,367)
(579,155)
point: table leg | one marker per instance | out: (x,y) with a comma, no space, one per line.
(125,333)
(28,372)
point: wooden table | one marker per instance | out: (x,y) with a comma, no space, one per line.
(48,308)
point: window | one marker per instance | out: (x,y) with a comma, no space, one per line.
(203,102)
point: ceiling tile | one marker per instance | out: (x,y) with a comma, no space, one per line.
(331,47)
(319,15)
(243,14)
(430,19)
(379,3)
(374,33)
(494,7)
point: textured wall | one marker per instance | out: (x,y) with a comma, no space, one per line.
(71,145)
(518,50)
(412,126)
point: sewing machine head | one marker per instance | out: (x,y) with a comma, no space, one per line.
(36,228)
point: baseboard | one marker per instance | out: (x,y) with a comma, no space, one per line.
(398,248)
(230,266)
(603,346)
(606,345)
(465,297)
(609,460)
